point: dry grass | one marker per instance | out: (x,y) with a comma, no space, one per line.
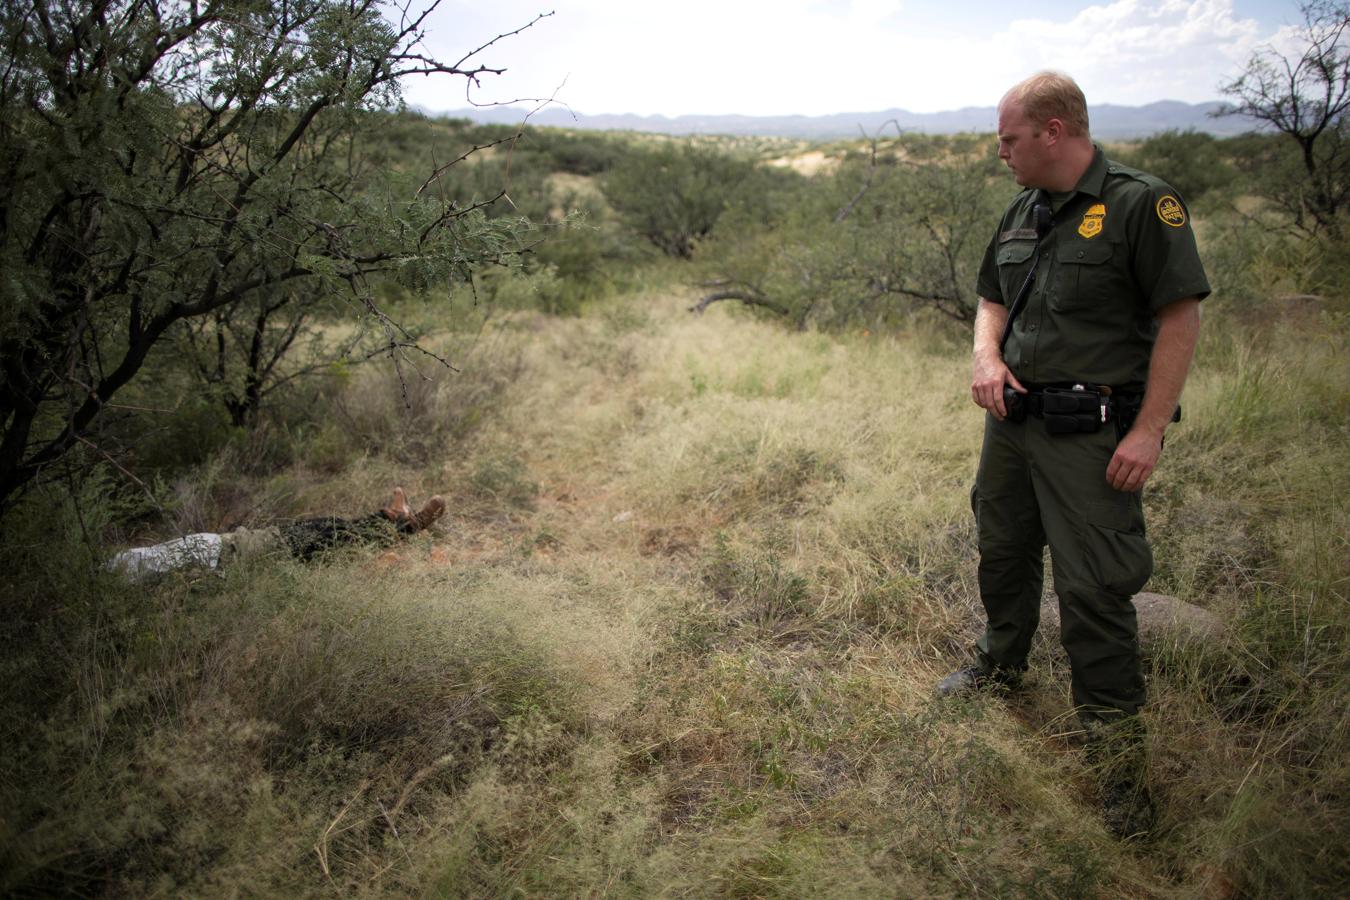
(677,636)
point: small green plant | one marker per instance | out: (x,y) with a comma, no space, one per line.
(505,482)
(758,590)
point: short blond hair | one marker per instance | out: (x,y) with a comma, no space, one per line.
(1051,95)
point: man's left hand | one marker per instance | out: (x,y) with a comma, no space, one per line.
(1133,462)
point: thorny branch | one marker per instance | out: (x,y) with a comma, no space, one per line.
(101,243)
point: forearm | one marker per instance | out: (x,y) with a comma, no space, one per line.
(990,318)
(1178,331)
(989,374)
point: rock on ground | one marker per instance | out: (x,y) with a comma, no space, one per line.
(1159,615)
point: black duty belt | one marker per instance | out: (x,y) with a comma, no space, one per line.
(1075,408)
(1072,408)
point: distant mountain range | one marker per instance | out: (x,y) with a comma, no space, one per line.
(1109,122)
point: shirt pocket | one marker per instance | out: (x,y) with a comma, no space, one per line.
(1014,261)
(1086,276)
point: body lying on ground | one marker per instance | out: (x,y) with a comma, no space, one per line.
(303,539)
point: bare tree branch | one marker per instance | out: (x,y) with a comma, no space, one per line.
(749,298)
(848,207)
(1306,99)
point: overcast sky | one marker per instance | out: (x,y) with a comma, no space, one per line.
(812,57)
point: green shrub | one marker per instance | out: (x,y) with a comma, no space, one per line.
(673,194)
(578,152)
(875,241)
(1193,162)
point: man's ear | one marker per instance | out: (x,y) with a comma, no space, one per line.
(1054,130)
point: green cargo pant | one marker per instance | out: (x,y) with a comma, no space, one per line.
(1035,488)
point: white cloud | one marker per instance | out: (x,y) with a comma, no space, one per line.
(812,57)
(1135,52)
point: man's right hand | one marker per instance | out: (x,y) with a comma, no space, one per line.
(991,374)
(987,381)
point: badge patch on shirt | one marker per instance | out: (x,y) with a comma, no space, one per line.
(1171,211)
(1091,226)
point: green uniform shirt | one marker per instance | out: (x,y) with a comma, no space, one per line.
(1120,248)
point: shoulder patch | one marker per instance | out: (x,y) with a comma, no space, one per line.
(1171,211)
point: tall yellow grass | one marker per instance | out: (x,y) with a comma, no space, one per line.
(677,636)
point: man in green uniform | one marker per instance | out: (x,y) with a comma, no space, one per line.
(1095,266)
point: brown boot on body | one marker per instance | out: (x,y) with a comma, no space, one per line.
(432,510)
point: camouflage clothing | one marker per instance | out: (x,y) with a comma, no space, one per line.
(307,538)
(303,540)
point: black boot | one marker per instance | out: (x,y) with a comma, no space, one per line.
(1119,752)
(1127,809)
(977,678)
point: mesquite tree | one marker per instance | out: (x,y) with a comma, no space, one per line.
(674,194)
(192,170)
(1306,98)
(892,231)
